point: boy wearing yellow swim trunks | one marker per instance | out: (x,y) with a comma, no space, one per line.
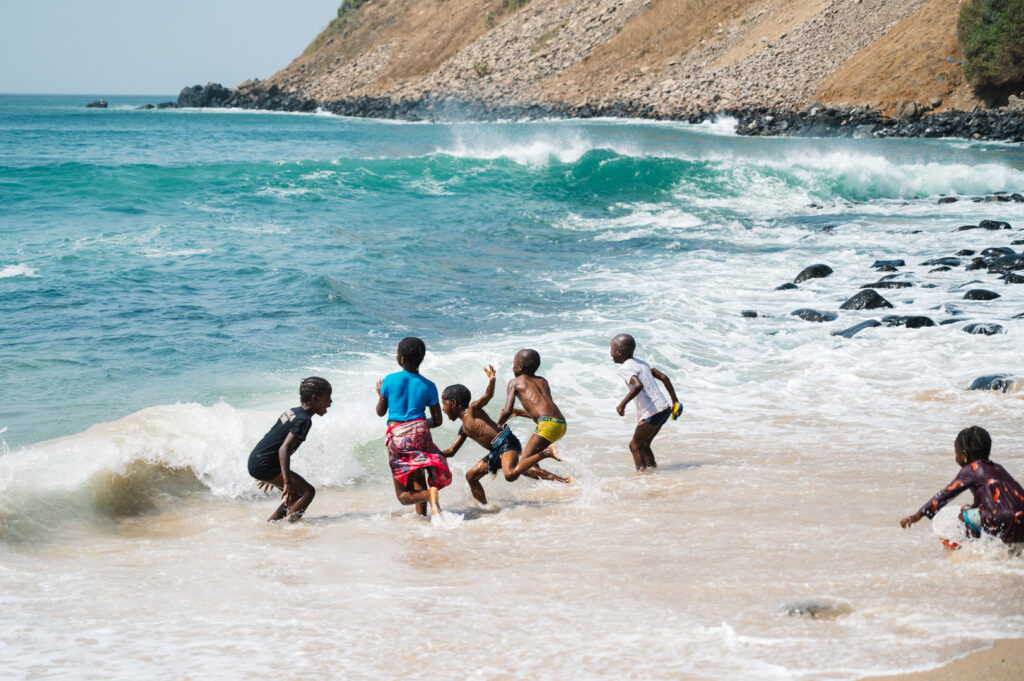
(534,394)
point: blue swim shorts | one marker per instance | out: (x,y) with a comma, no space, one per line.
(505,441)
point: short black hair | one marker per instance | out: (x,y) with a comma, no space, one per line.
(458,393)
(412,350)
(311,387)
(975,443)
(626,342)
(530,360)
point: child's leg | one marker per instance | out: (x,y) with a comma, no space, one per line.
(415,491)
(473,476)
(538,473)
(640,445)
(306,493)
(537,449)
(303,489)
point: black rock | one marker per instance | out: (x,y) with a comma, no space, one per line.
(965,252)
(947,322)
(977,264)
(889,263)
(98,104)
(984,329)
(944,268)
(1011,278)
(951,262)
(813,272)
(997,251)
(910,321)
(980,294)
(1000,382)
(948,199)
(888,284)
(815,610)
(994,224)
(865,300)
(810,315)
(964,228)
(786,287)
(750,314)
(1006,263)
(167,105)
(145,107)
(1017,242)
(213,94)
(854,330)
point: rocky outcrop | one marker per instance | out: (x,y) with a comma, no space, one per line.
(768,63)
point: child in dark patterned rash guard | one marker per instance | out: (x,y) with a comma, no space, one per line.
(418,467)
(270,460)
(652,409)
(998,507)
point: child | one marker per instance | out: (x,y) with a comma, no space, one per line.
(998,507)
(652,409)
(417,465)
(503,445)
(270,461)
(535,395)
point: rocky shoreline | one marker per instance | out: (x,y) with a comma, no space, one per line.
(1005,124)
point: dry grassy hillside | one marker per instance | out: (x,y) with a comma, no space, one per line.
(670,55)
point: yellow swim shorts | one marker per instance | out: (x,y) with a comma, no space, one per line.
(550,429)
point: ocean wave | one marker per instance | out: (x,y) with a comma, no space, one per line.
(148,462)
(21,270)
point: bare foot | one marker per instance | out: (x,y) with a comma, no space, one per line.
(551,453)
(569,480)
(435,505)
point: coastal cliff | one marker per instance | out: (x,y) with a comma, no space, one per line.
(861,68)
(668,57)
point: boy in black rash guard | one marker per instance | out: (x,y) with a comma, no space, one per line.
(998,507)
(270,460)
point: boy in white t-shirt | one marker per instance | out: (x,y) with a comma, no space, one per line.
(652,409)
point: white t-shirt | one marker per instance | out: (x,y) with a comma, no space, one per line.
(650,400)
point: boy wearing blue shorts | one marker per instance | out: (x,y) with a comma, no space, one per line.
(652,409)
(504,447)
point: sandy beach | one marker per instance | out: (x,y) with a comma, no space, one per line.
(1004,661)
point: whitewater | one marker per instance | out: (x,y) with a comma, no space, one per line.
(168,277)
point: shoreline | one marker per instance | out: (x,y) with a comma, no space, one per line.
(1004,661)
(995,125)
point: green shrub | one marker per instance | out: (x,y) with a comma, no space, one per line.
(514,4)
(481,69)
(991,36)
(349,6)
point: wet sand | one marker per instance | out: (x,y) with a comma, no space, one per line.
(1002,662)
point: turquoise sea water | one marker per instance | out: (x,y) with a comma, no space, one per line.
(152,257)
(168,276)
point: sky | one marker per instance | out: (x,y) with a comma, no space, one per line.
(112,47)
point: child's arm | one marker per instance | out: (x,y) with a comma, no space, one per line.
(284,455)
(941,498)
(489,393)
(635,386)
(382,402)
(668,385)
(510,404)
(435,415)
(460,439)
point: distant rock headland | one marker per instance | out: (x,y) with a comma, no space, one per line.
(780,67)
